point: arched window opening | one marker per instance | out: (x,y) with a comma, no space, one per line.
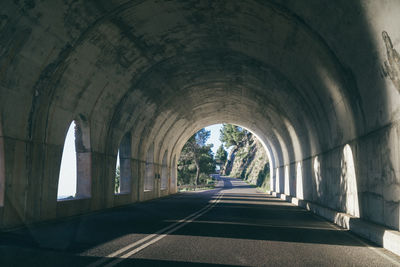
(348,183)
(2,167)
(172,183)
(123,171)
(75,170)
(164,172)
(277,186)
(117,187)
(149,177)
(317,176)
(299,181)
(68,174)
(287,181)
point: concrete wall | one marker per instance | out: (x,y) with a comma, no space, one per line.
(360,179)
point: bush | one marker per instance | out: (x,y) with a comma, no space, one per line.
(203,178)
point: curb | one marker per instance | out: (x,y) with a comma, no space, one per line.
(384,237)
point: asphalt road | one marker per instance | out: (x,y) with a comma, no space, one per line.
(230,225)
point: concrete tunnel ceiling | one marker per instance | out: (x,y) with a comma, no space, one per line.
(142,63)
(238,77)
(294,74)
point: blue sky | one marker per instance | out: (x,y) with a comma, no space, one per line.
(67,180)
(214,137)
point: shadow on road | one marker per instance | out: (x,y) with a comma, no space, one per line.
(67,260)
(247,215)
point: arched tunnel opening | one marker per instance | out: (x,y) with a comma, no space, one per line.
(223,150)
(317,83)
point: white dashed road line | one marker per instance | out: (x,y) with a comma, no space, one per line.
(121,254)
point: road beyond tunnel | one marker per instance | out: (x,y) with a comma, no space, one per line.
(230,225)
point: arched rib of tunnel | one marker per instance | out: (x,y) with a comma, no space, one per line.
(307,81)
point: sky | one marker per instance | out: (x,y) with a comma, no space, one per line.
(214,136)
(67,180)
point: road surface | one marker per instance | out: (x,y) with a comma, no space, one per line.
(230,225)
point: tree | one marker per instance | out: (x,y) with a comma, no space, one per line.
(206,160)
(196,155)
(232,135)
(221,155)
(201,137)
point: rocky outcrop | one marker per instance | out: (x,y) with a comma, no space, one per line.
(249,162)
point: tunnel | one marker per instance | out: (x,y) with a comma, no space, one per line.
(317,82)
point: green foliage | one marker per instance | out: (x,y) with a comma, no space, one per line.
(210,181)
(221,155)
(206,160)
(196,161)
(117,179)
(203,178)
(263,176)
(202,137)
(185,175)
(249,162)
(232,135)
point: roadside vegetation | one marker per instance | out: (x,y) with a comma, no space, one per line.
(196,163)
(247,159)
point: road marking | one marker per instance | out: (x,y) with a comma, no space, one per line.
(264,225)
(153,237)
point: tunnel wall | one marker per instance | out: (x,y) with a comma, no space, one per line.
(376,175)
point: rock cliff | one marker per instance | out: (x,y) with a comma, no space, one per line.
(249,161)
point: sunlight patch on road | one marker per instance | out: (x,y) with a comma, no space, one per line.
(131,249)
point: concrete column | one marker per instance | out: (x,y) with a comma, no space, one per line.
(16,183)
(135,179)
